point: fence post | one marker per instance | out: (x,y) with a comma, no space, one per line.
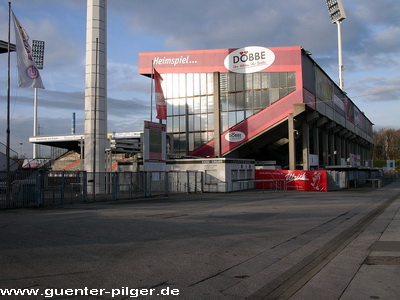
(166,175)
(187,182)
(178,187)
(115,186)
(150,182)
(38,189)
(108,183)
(84,186)
(62,186)
(131,185)
(202,181)
(195,181)
(144,184)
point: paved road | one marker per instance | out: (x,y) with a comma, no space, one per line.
(245,245)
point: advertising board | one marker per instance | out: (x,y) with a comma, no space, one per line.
(294,179)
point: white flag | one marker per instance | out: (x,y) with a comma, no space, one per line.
(28,74)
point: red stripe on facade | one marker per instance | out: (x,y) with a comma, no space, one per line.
(206,61)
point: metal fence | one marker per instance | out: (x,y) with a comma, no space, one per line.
(44,188)
(338,180)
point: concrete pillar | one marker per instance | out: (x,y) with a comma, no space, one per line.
(350,148)
(343,142)
(217,117)
(347,149)
(368,156)
(357,152)
(292,143)
(315,134)
(331,148)
(315,140)
(325,142)
(362,155)
(338,150)
(306,146)
(95,90)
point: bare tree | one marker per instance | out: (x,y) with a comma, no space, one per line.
(386,144)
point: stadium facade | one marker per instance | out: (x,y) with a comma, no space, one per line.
(274,105)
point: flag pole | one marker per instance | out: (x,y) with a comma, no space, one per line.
(35,121)
(8,109)
(151,91)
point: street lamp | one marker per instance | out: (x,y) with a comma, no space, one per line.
(337,14)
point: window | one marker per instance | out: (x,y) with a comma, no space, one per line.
(190,107)
(243,95)
(203,104)
(210,104)
(190,102)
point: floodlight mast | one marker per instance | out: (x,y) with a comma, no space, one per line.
(38,57)
(337,15)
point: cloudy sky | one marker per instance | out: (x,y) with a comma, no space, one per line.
(371,53)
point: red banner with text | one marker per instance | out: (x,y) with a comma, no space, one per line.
(294,179)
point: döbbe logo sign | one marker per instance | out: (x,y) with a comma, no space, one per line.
(235,136)
(249,59)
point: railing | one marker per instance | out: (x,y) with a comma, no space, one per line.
(347,179)
(44,188)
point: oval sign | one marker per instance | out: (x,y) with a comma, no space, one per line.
(249,59)
(235,136)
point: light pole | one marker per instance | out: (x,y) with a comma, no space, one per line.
(337,14)
(38,56)
(20,150)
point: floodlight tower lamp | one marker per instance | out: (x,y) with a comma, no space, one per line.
(38,57)
(337,15)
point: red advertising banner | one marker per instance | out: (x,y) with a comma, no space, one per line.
(294,179)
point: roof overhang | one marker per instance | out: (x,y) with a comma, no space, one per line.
(66,141)
(4,47)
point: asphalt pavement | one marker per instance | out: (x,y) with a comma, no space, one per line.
(244,245)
